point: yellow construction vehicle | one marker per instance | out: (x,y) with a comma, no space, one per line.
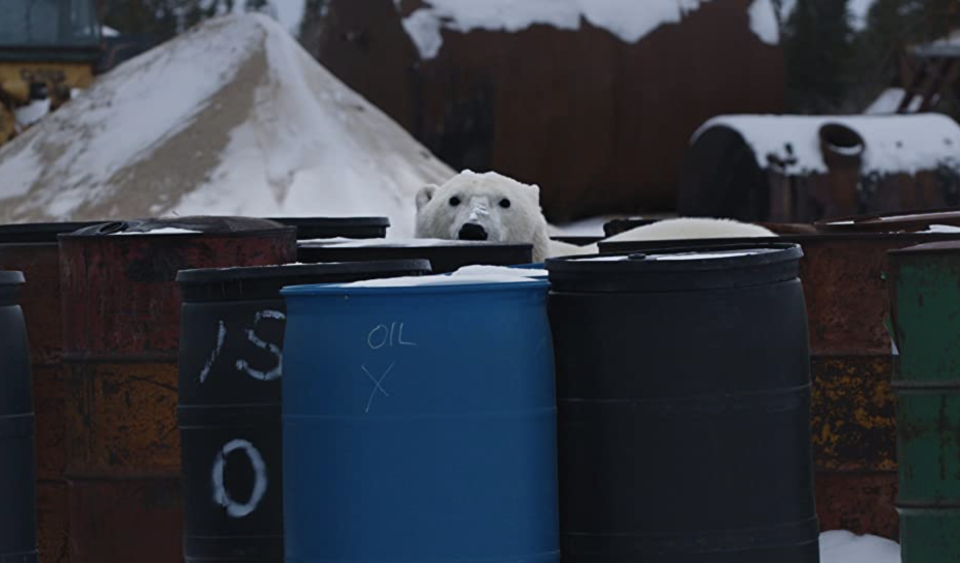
(48,48)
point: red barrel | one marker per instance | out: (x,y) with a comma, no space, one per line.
(32,249)
(121,325)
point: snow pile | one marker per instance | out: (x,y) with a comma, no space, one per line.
(231,118)
(629,20)
(894,144)
(889,102)
(844,547)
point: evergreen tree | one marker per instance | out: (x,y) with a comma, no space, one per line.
(818,51)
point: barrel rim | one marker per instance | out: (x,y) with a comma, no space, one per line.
(119,230)
(12,277)
(365,221)
(786,252)
(201,276)
(39,233)
(939,247)
(386,244)
(344,290)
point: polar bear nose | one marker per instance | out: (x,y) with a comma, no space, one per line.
(472,231)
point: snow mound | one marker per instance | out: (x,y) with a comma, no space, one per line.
(629,20)
(845,547)
(231,118)
(894,143)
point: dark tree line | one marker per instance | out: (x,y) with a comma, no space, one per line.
(833,68)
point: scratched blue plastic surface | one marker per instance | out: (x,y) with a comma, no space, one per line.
(419,425)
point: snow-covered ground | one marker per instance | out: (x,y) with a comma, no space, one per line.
(233,117)
(629,20)
(901,143)
(844,547)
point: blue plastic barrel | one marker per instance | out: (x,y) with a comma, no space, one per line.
(419,423)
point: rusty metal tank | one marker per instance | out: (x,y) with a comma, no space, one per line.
(853,409)
(121,326)
(32,248)
(571,109)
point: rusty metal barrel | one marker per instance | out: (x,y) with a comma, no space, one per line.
(32,248)
(683,384)
(121,327)
(445,256)
(925,320)
(18,497)
(231,351)
(853,409)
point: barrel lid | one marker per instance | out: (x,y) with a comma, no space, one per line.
(932,220)
(173,226)
(417,243)
(37,232)
(332,269)
(945,247)
(333,221)
(678,268)
(438,283)
(11,277)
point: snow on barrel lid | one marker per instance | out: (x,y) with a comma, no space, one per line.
(495,279)
(678,269)
(11,277)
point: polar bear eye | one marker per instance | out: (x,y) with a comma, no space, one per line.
(454,201)
(505,203)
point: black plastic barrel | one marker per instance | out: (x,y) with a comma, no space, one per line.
(444,255)
(229,403)
(684,400)
(18,489)
(334,227)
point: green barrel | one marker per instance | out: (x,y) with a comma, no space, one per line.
(924,285)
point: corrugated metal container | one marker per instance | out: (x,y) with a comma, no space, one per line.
(684,395)
(570,109)
(853,409)
(18,507)
(32,248)
(231,354)
(925,315)
(121,325)
(419,423)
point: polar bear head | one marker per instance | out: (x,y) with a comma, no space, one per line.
(484,207)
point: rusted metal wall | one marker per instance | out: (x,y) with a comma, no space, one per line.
(121,321)
(601,125)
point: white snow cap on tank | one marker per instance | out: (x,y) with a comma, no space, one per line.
(893,143)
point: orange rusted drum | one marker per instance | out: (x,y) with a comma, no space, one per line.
(121,324)
(853,413)
(32,249)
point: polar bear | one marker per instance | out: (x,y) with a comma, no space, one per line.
(487,206)
(492,207)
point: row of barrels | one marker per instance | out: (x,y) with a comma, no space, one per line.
(103,319)
(259,364)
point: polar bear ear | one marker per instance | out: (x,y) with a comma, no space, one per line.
(425,195)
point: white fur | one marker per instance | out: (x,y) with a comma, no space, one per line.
(479,198)
(523,222)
